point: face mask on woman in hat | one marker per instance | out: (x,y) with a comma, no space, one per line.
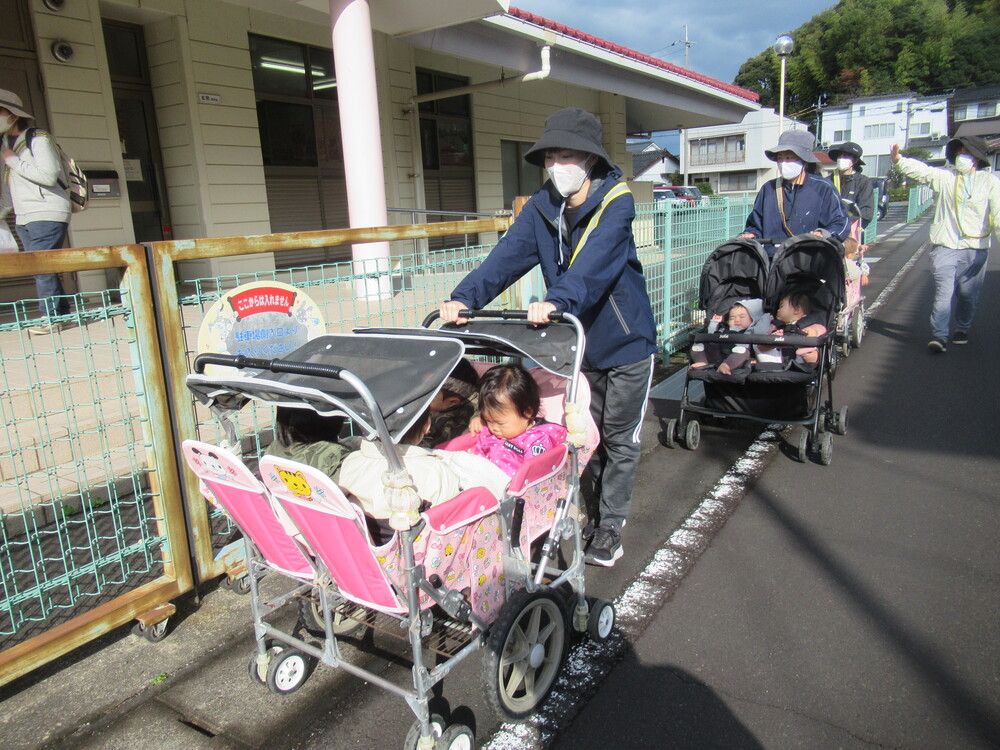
(568,169)
(964,163)
(845,164)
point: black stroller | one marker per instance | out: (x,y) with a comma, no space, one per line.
(787,393)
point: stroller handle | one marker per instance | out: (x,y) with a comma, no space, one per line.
(273,365)
(502,314)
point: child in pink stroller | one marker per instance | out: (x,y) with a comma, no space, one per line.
(454,578)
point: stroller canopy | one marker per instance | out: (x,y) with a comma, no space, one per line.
(735,270)
(402,372)
(810,264)
(552,346)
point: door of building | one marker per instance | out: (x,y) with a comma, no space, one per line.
(137,130)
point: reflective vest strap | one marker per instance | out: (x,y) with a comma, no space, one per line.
(616,192)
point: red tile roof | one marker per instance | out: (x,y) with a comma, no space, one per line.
(632,54)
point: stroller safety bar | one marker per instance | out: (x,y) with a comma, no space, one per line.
(763,339)
(272,365)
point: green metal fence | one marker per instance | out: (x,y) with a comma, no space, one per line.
(919,200)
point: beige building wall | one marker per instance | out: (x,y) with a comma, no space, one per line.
(213,166)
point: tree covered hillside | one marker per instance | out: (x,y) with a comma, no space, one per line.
(867,47)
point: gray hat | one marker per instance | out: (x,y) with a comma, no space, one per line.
(973,144)
(799,142)
(12,102)
(569,128)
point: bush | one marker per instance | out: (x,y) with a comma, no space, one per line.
(899,194)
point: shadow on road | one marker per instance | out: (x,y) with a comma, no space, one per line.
(654,706)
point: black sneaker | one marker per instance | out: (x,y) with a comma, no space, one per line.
(960,337)
(606,547)
(937,345)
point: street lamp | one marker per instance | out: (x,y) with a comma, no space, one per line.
(782,47)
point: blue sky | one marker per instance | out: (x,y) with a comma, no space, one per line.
(725,32)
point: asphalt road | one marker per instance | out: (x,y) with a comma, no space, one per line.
(848,606)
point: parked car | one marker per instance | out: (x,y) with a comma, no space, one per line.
(882,185)
(688,195)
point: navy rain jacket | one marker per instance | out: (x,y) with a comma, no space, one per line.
(813,205)
(604,287)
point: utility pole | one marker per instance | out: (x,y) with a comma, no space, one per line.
(687,46)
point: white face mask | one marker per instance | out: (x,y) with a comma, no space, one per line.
(964,164)
(568,178)
(7,124)
(845,163)
(789,170)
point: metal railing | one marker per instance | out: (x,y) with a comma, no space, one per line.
(919,200)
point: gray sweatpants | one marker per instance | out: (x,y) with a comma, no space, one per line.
(618,399)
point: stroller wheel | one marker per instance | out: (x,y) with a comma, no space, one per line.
(845,347)
(857,327)
(601,620)
(288,670)
(456,737)
(692,435)
(825,448)
(524,653)
(413,736)
(838,421)
(258,673)
(311,617)
(669,434)
(803,446)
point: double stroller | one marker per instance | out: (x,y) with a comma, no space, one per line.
(472,573)
(787,393)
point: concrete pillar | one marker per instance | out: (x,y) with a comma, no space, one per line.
(357,96)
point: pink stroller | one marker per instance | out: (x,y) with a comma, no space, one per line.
(455,578)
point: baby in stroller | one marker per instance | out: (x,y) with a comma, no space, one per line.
(438,475)
(794,316)
(746,316)
(510,429)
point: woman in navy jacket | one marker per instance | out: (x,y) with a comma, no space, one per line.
(578,228)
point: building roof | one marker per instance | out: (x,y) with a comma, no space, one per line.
(645,159)
(977,94)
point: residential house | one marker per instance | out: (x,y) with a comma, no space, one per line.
(223,117)
(731,157)
(977,112)
(877,122)
(650,163)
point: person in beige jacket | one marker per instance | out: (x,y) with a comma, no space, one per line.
(967,213)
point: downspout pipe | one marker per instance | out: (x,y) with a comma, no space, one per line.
(538,75)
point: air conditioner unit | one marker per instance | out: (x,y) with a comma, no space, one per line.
(935,136)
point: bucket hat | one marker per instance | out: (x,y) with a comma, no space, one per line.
(12,102)
(799,142)
(569,128)
(973,144)
(850,148)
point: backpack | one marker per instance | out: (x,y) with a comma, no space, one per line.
(74,179)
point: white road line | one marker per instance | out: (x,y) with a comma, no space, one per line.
(589,663)
(880,300)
